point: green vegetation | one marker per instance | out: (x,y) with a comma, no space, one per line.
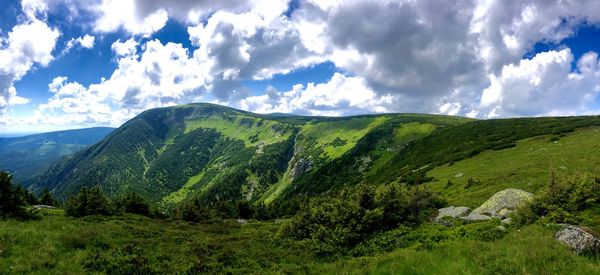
(214,153)
(12,202)
(531,250)
(202,188)
(564,200)
(524,166)
(334,225)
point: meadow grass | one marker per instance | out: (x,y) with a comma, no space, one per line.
(530,250)
(253,131)
(61,245)
(525,166)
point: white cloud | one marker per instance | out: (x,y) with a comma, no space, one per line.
(460,57)
(26,45)
(342,95)
(34,9)
(86,42)
(544,85)
(451,109)
(126,48)
(161,75)
(505,30)
(113,15)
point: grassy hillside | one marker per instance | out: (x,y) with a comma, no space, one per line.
(27,156)
(525,166)
(215,153)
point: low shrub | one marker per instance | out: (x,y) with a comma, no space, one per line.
(336,224)
(561,200)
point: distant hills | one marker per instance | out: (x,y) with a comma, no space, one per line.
(214,153)
(27,156)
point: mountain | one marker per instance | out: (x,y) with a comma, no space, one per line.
(214,153)
(27,156)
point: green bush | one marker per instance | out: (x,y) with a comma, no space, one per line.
(192,211)
(561,200)
(335,224)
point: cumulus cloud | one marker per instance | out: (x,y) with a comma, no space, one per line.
(544,85)
(113,15)
(160,75)
(86,42)
(341,95)
(462,57)
(248,46)
(26,45)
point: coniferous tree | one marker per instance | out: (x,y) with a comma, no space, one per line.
(133,203)
(46,198)
(90,201)
(11,206)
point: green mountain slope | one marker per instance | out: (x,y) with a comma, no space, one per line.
(214,153)
(217,153)
(29,155)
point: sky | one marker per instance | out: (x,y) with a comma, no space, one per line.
(82,63)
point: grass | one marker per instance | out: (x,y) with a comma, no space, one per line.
(61,245)
(525,166)
(347,133)
(531,250)
(182,193)
(407,132)
(249,129)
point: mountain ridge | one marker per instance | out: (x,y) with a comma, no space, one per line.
(212,153)
(211,145)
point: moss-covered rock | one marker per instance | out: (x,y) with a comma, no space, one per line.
(498,205)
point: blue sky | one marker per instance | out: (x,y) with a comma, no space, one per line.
(482,59)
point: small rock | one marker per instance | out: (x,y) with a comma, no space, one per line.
(458,175)
(501,228)
(507,221)
(474,217)
(578,240)
(43,206)
(242,221)
(452,211)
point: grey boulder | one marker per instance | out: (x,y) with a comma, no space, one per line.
(453,212)
(578,240)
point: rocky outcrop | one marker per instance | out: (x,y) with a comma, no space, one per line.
(300,167)
(452,212)
(578,240)
(501,204)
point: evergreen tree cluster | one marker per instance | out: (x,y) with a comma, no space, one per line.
(92,201)
(14,200)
